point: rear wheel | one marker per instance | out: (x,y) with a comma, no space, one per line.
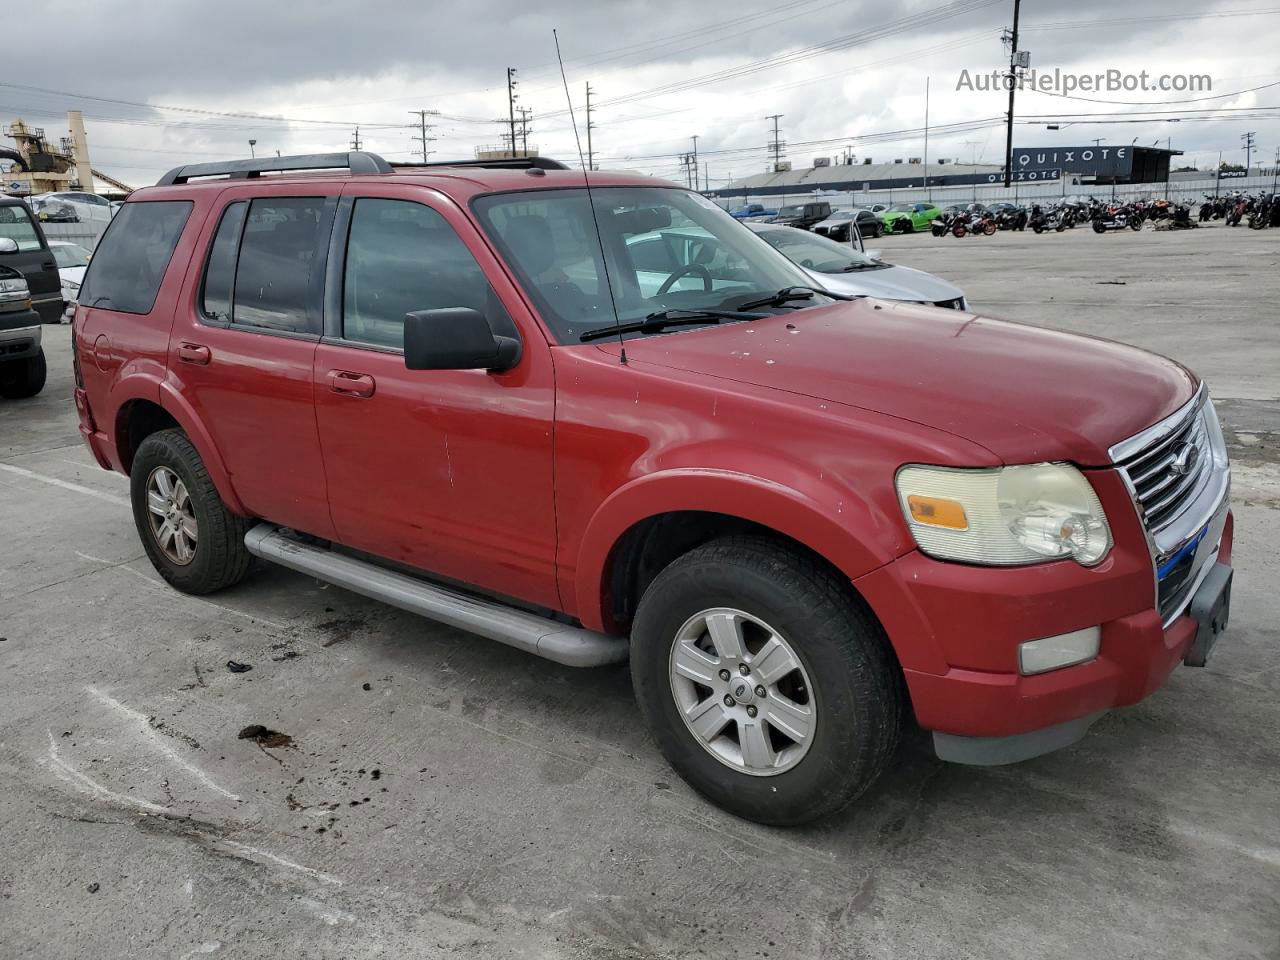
(190,536)
(959,230)
(989,230)
(769,688)
(20,379)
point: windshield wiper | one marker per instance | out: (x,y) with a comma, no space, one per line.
(662,319)
(859,266)
(788,295)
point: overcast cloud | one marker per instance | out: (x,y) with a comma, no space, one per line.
(328,66)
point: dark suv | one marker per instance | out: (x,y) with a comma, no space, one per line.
(32,258)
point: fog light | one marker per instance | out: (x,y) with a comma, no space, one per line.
(1064,650)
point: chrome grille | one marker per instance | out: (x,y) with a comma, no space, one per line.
(1168,474)
(1180,479)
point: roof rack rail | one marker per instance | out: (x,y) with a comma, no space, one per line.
(500,163)
(243,169)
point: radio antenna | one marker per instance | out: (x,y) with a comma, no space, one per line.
(595,220)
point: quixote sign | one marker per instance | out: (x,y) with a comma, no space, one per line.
(1026,176)
(1099,160)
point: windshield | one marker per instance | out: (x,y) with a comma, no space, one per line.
(817,253)
(663,249)
(842,215)
(15,223)
(70,255)
(901,208)
(795,211)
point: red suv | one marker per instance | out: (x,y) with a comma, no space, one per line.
(605,420)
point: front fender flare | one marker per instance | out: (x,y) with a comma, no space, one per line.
(825,521)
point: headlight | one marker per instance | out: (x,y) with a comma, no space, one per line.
(1004,516)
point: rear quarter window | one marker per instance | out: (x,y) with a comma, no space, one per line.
(130,263)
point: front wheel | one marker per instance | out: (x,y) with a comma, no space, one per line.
(767,684)
(989,230)
(190,536)
(24,378)
(959,230)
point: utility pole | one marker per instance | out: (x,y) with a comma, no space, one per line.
(252,144)
(423,126)
(525,113)
(1217,177)
(775,145)
(591,157)
(511,105)
(694,138)
(927,190)
(1014,62)
(1248,141)
(1275,173)
(356,143)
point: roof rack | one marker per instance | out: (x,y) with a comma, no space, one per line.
(245,169)
(501,163)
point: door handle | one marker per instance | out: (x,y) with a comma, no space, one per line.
(194,353)
(351,384)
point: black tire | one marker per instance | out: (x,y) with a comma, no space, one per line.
(857,687)
(20,379)
(220,558)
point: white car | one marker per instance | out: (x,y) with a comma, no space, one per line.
(72,260)
(88,206)
(846,268)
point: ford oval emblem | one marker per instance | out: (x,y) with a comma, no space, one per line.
(1185,458)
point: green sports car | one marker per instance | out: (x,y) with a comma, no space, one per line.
(909,217)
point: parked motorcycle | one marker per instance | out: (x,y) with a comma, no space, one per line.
(1111,218)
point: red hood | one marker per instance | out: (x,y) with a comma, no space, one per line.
(1025,393)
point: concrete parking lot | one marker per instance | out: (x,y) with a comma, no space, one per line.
(438,795)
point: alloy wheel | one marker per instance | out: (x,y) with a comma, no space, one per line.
(173,521)
(742,691)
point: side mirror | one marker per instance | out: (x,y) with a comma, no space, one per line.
(8,245)
(872,254)
(456,338)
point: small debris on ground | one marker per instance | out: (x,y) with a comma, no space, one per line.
(235,666)
(265,737)
(366,686)
(1113,283)
(287,655)
(93,888)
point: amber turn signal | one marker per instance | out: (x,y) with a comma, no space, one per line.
(937,512)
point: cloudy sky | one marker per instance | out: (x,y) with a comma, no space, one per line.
(166,83)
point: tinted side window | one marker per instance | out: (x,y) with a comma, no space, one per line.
(130,262)
(220,272)
(280,270)
(401,257)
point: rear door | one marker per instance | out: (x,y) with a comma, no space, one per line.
(33,260)
(241,351)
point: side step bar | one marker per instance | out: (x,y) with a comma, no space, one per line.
(572,646)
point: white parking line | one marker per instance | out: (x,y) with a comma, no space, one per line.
(64,484)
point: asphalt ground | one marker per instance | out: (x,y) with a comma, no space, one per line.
(439,795)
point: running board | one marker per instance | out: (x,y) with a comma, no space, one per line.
(572,646)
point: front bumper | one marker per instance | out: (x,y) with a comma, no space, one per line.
(956,629)
(19,334)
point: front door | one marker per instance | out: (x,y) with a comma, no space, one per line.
(448,471)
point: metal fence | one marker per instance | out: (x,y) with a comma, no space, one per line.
(1191,190)
(87,233)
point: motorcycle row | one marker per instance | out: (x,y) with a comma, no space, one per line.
(1105,216)
(1262,210)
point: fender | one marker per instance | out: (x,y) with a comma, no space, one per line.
(176,405)
(133,381)
(824,520)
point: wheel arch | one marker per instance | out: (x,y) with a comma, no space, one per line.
(138,417)
(648,523)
